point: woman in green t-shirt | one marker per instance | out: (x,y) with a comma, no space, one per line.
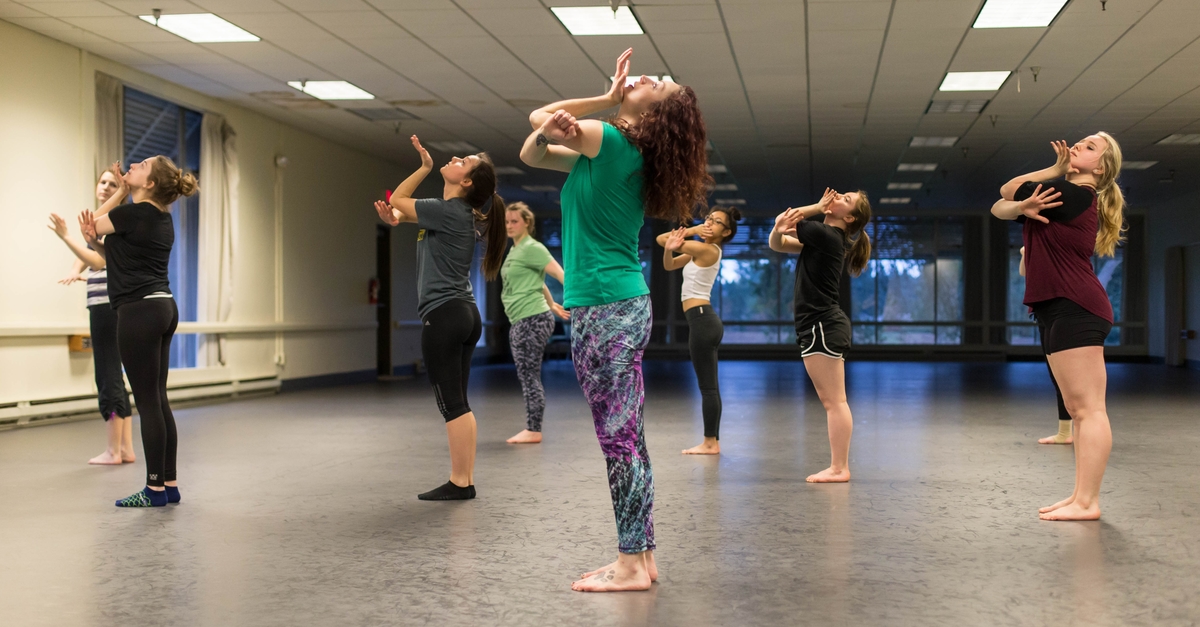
(647,160)
(530,309)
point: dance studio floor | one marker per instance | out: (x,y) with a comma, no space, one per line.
(300,509)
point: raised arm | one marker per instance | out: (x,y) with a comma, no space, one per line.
(780,241)
(118,196)
(580,107)
(1061,168)
(401,207)
(1031,207)
(89,258)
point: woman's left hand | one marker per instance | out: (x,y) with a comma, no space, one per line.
(386,213)
(58,225)
(675,241)
(560,312)
(87,226)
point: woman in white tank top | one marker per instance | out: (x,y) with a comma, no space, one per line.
(701,263)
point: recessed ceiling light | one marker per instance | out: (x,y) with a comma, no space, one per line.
(956,106)
(916,167)
(731,201)
(331,90)
(200,28)
(894,200)
(1181,138)
(598,20)
(974,81)
(630,80)
(1018,13)
(725,187)
(466,148)
(1138,165)
(539,188)
(932,142)
(904,185)
(716,168)
(503,170)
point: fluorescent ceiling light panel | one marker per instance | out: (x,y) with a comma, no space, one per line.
(904,185)
(716,168)
(466,148)
(895,200)
(1138,165)
(331,90)
(539,188)
(974,81)
(598,20)
(200,28)
(630,80)
(916,167)
(503,170)
(1190,139)
(932,142)
(1018,13)
(725,187)
(956,106)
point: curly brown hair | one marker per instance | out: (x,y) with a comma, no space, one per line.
(671,137)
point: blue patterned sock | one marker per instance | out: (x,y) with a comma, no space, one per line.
(173,494)
(145,498)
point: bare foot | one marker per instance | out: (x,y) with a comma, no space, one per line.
(651,567)
(105,459)
(128,457)
(1073,511)
(829,475)
(1055,439)
(707,447)
(617,578)
(526,437)
(1062,503)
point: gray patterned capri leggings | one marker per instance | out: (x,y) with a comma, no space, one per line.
(528,337)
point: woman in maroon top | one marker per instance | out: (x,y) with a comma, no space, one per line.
(1069,211)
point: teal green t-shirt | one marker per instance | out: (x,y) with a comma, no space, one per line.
(524,274)
(602,214)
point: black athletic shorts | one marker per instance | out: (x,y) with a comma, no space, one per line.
(829,337)
(1065,325)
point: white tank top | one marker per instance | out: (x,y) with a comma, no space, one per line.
(697,281)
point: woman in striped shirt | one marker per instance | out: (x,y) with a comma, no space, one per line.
(110,383)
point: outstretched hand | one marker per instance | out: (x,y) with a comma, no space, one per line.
(561,127)
(71,278)
(386,213)
(826,198)
(87,226)
(616,93)
(426,160)
(675,241)
(58,225)
(1033,206)
(787,220)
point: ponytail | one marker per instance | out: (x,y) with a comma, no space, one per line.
(1110,202)
(860,242)
(495,237)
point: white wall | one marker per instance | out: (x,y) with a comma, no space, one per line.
(1176,223)
(47,140)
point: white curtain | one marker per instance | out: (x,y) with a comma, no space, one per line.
(110,140)
(218,232)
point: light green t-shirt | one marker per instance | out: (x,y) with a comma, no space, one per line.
(602,214)
(524,274)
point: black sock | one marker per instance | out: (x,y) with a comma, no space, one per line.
(173,494)
(448,492)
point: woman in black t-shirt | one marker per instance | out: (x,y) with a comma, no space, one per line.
(822,328)
(137,247)
(445,250)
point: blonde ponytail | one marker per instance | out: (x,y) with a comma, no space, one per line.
(1110,202)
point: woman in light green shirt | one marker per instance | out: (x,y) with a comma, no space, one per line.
(529,306)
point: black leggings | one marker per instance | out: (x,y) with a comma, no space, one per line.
(110,384)
(704,336)
(1063,414)
(448,340)
(144,330)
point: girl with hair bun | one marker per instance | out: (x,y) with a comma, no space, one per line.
(449,228)
(1070,211)
(530,309)
(138,238)
(827,248)
(701,263)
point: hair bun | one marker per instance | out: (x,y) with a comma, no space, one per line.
(188,184)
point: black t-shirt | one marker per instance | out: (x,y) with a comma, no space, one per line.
(1075,199)
(138,252)
(818,272)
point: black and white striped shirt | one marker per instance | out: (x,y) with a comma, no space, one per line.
(97,288)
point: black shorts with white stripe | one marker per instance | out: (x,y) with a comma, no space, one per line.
(829,337)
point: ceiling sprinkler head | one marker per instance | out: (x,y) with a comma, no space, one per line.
(157,14)
(1035,69)
(1103,5)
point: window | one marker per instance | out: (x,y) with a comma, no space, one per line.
(154,126)
(912,289)
(753,292)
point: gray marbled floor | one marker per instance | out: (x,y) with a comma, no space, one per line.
(300,510)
